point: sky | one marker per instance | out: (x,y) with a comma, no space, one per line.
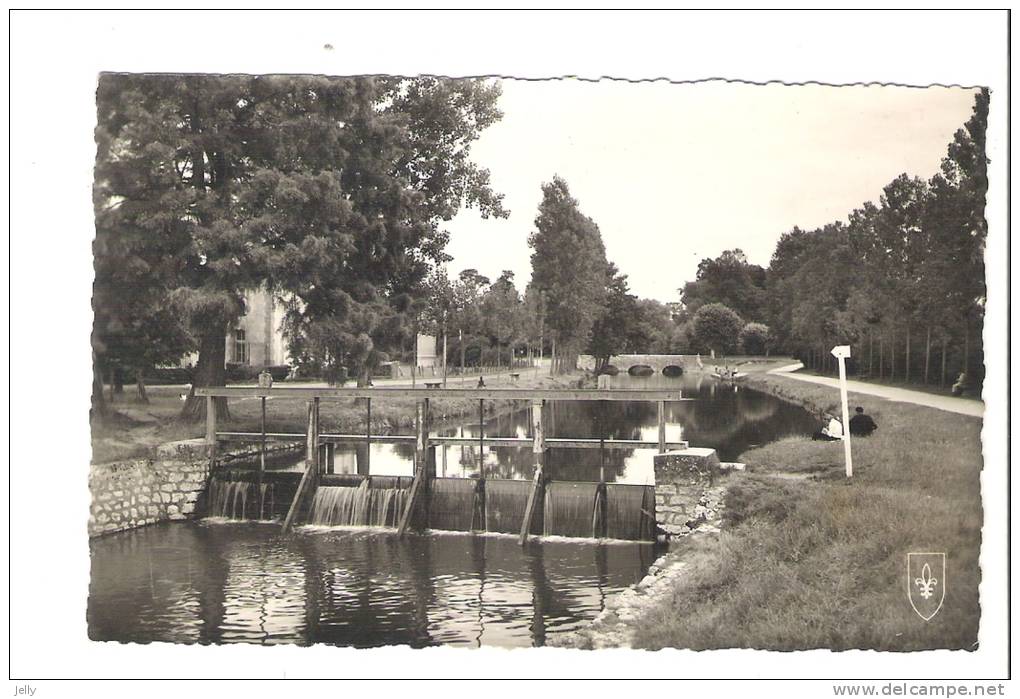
(674,173)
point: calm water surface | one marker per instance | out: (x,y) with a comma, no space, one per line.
(725,417)
(205,582)
(217,582)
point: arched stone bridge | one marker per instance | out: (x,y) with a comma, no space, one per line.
(658,362)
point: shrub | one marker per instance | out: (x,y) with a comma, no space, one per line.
(717,327)
(755,338)
(168,376)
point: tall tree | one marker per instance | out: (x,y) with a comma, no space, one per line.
(330,191)
(613,330)
(569,266)
(717,328)
(730,280)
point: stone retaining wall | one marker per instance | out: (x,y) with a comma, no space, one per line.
(134,493)
(683,481)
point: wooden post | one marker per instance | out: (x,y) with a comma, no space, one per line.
(538,451)
(421,445)
(444,355)
(368,436)
(210,429)
(662,427)
(210,421)
(262,458)
(601,426)
(312,439)
(481,438)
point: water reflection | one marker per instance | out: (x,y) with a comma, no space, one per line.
(726,417)
(227,583)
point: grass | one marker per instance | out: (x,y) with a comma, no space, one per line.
(135,428)
(808,560)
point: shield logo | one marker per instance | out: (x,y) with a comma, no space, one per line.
(926,583)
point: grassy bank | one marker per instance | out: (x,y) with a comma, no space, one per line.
(134,427)
(807,560)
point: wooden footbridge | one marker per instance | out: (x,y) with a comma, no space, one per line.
(318,444)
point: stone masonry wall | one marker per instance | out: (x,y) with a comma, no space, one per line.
(682,480)
(145,491)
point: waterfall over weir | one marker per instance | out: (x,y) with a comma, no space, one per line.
(357,506)
(453,504)
(571,509)
(241,499)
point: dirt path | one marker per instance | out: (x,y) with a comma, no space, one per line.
(963,406)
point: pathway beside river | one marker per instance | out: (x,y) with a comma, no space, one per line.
(953,404)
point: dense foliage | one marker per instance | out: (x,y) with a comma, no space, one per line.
(327,191)
(901,281)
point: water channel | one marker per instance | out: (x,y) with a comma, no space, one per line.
(221,582)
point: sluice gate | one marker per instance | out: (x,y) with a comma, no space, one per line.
(536,507)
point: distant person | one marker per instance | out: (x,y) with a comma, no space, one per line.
(861,424)
(961,384)
(481,382)
(832,431)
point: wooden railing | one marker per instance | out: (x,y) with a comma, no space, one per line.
(423,423)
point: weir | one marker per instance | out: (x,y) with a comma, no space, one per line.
(540,506)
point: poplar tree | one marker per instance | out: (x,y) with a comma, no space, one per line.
(569,267)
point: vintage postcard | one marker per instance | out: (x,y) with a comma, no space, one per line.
(470,361)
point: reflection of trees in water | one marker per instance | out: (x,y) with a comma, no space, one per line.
(723,416)
(355,605)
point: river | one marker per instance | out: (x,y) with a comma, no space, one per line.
(222,582)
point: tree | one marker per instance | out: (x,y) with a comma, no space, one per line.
(613,330)
(569,267)
(136,327)
(730,280)
(329,191)
(755,338)
(501,310)
(717,328)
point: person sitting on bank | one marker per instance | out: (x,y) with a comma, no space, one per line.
(481,382)
(832,431)
(961,384)
(861,424)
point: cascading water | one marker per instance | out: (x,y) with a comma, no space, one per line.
(630,512)
(505,502)
(570,509)
(452,504)
(357,506)
(237,499)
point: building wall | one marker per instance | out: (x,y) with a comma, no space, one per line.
(261,329)
(427,351)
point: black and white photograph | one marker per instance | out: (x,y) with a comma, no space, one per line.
(422,366)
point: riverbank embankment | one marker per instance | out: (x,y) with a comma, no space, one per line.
(805,559)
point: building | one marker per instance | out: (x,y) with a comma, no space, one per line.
(426,352)
(257,337)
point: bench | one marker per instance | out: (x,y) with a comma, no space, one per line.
(514,377)
(433,384)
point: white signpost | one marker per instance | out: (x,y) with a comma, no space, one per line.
(841,352)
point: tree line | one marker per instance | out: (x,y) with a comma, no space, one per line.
(901,281)
(576,302)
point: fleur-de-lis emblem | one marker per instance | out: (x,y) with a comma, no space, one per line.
(926,582)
